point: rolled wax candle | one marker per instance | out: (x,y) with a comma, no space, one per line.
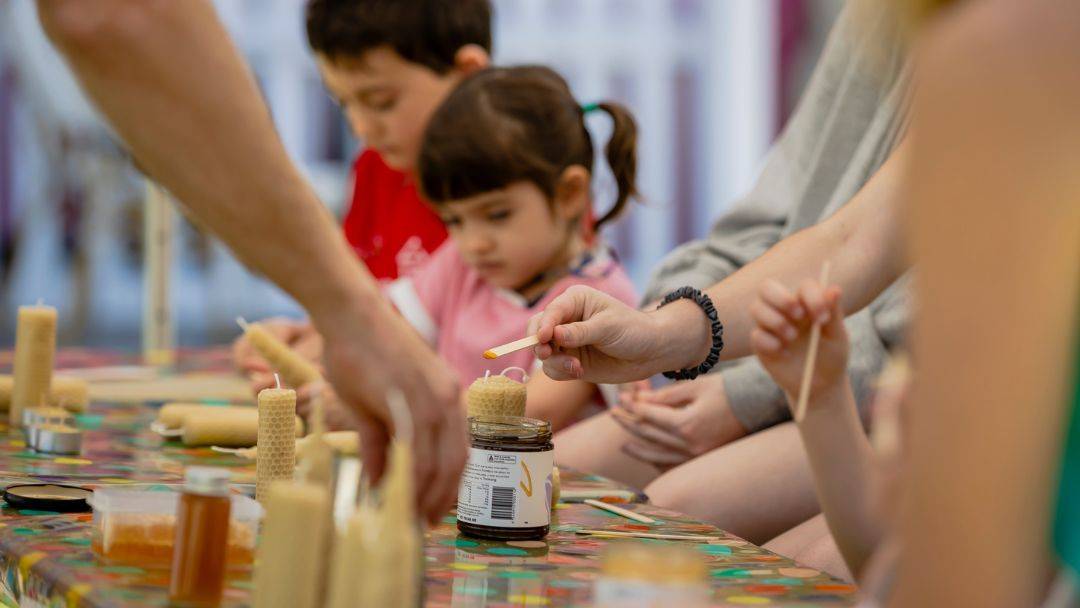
(276,459)
(35,346)
(398,550)
(295,370)
(495,396)
(72,394)
(290,563)
(227,427)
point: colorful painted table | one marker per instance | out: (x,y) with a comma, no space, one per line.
(46,558)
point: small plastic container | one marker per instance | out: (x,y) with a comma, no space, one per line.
(138,527)
(639,575)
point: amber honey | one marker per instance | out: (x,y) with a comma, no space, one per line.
(202,530)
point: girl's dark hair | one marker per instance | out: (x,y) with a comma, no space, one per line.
(504,125)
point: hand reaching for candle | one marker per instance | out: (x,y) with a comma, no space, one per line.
(589,335)
(336,416)
(370,350)
(298,335)
(781,342)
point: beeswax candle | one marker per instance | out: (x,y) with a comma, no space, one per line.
(276,459)
(295,370)
(495,396)
(35,346)
(72,394)
(289,563)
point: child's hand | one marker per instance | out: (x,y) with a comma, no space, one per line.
(781,339)
(298,335)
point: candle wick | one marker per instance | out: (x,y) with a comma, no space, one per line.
(277,380)
(524,374)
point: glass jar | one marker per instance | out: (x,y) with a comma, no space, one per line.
(202,530)
(506,488)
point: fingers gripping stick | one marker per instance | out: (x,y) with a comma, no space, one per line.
(811,357)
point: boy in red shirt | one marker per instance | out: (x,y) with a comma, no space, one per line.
(389,64)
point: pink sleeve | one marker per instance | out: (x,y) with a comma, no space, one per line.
(619,285)
(422,297)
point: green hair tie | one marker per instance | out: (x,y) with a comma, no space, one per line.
(590,107)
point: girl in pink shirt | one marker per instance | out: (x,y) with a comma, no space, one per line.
(507,164)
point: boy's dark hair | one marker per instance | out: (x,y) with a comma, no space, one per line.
(426,32)
(504,125)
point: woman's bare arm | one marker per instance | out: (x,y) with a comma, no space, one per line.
(995,232)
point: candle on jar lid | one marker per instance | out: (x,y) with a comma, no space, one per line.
(35,347)
(497,395)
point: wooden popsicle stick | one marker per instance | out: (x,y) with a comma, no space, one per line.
(628,514)
(811,357)
(511,347)
(581,494)
(654,535)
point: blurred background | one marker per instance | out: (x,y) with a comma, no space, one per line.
(710,81)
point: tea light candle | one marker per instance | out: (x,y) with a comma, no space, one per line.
(295,370)
(495,396)
(289,563)
(276,459)
(35,346)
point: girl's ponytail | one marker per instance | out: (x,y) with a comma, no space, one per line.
(621,153)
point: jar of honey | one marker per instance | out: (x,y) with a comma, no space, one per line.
(506,488)
(202,532)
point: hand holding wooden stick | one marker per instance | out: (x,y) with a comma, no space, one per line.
(811,357)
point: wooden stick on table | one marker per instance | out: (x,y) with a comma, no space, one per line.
(811,357)
(654,535)
(627,513)
(511,347)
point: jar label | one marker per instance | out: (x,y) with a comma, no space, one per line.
(506,489)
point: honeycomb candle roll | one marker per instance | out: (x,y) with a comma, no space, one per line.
(276,459)
(497,395)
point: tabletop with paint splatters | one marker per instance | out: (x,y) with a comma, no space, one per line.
(46,558)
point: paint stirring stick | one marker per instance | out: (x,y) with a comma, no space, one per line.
(811,357)
(619,511)
(511,347)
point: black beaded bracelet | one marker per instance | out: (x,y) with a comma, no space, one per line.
(717,329)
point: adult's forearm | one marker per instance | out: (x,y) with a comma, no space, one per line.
(861,242)
(167,77)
